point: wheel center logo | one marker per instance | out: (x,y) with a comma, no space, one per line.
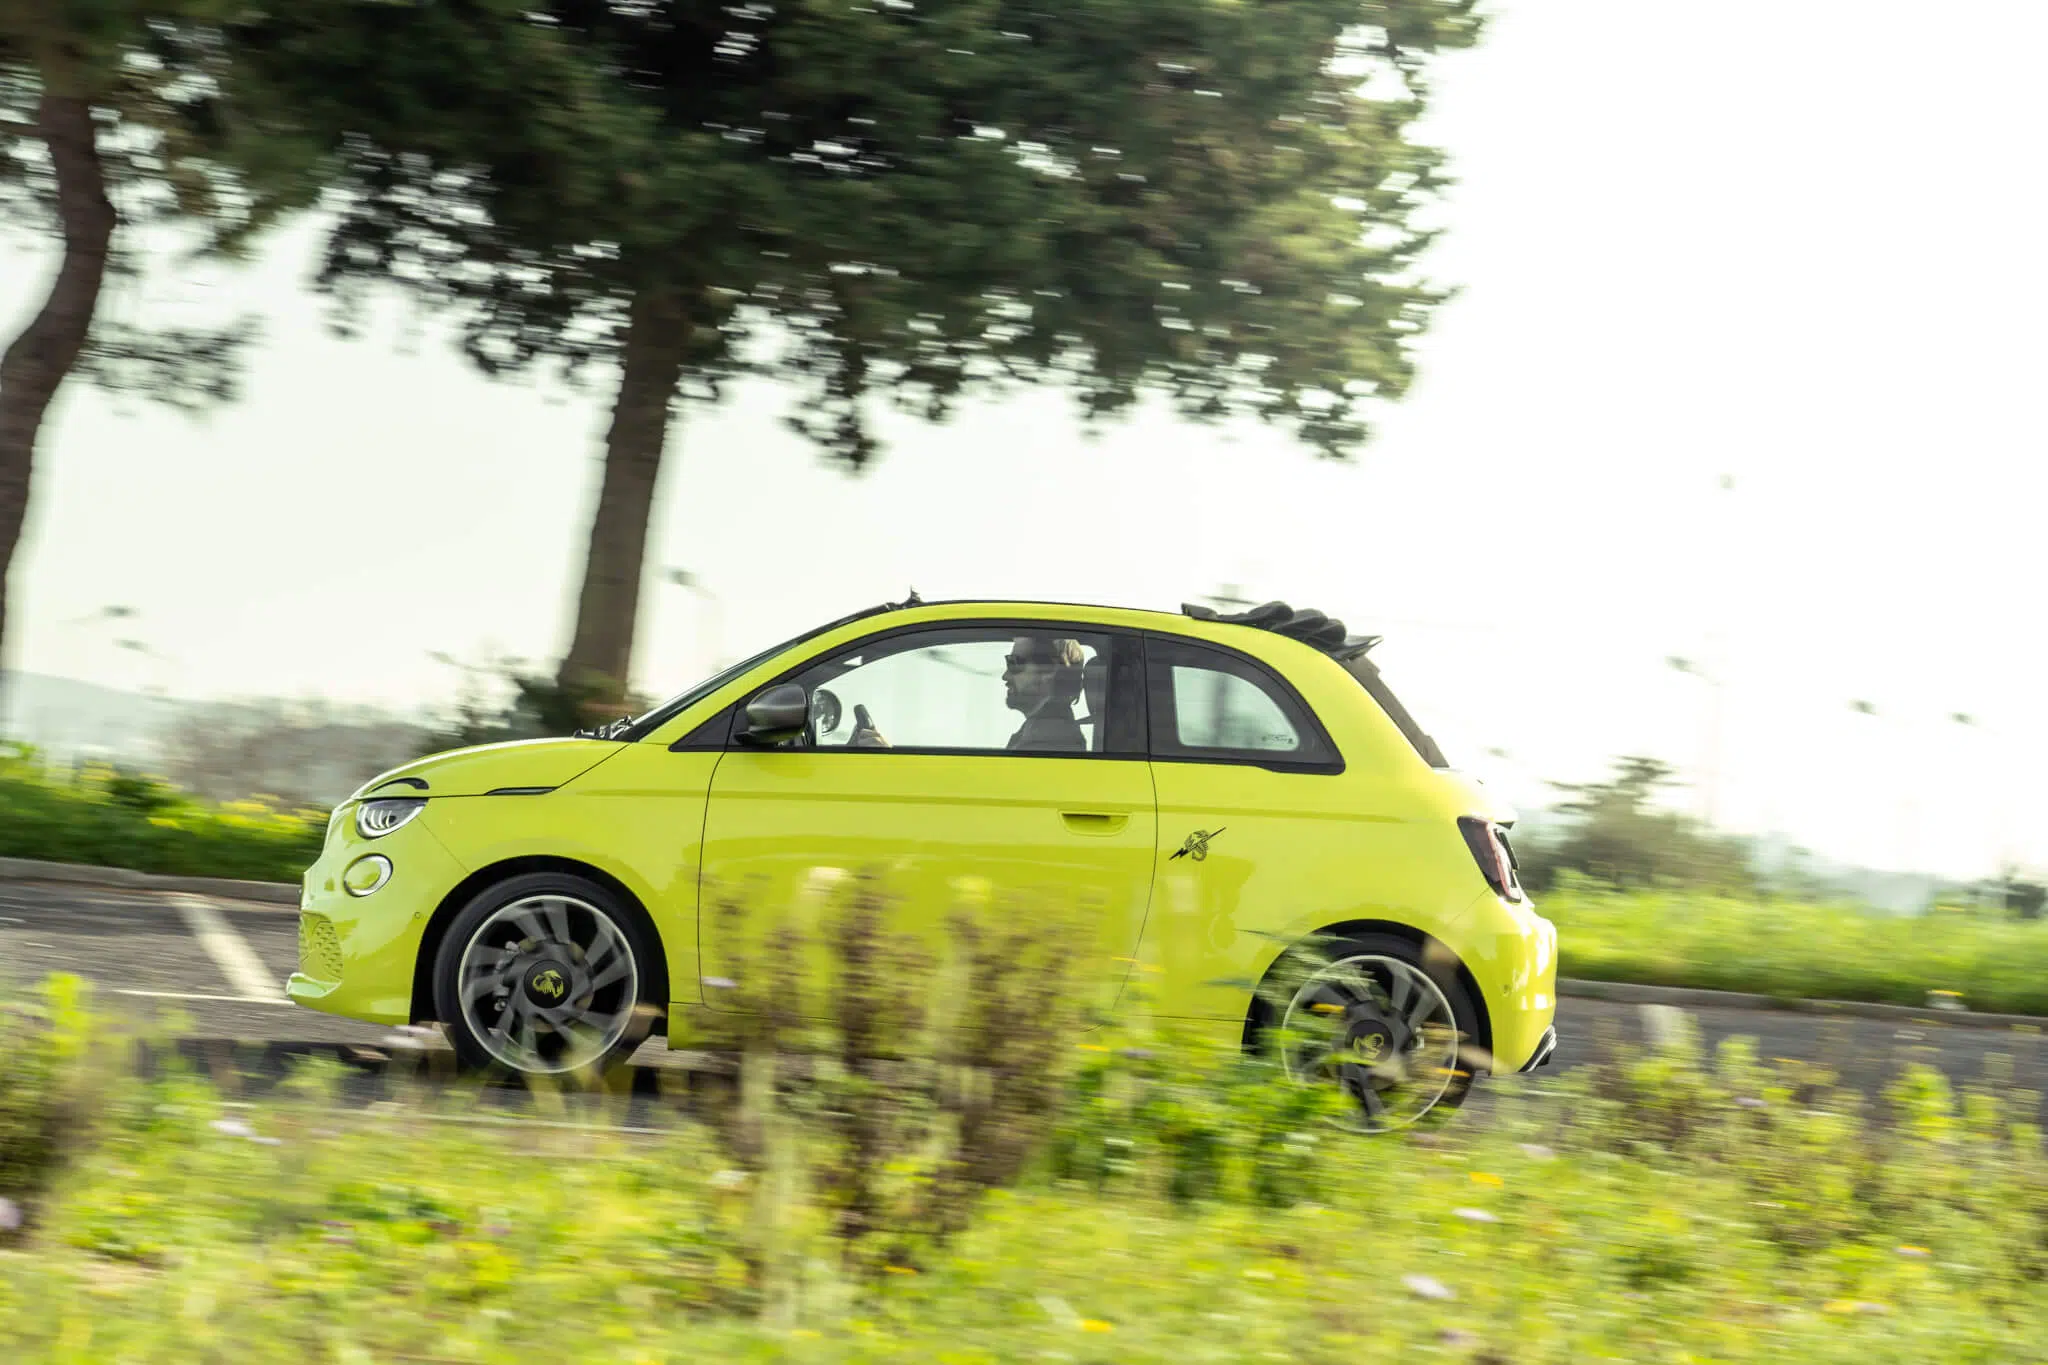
(1372,1045)
(548,983)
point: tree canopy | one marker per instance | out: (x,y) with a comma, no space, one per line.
(1214,199)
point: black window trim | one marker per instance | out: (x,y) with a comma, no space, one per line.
(720,731)
(1290,695)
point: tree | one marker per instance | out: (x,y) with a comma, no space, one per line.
(1617,836)
(1217,201)
(109,117)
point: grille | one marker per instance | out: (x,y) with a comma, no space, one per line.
(319,948)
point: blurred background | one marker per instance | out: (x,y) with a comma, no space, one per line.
(1722,456)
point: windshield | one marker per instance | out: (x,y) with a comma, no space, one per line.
(683,701)
(1368,673)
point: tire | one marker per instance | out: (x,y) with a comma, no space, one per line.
(564,979)
(1370,1012)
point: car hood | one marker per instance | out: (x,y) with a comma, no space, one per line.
(543,763)
(1477,798)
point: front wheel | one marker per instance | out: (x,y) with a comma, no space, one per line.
(1371,1018)
(546,974)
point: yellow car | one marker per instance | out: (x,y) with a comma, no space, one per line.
(1211,790)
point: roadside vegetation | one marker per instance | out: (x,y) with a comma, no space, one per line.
(1795,948)
(1151,1203)
(99,816)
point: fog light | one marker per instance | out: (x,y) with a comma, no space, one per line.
(366,875)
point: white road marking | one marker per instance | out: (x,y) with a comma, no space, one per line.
(223,999)
(1664,1023)
(237,961)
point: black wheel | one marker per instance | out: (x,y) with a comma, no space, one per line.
(547,974)
(1370,1014)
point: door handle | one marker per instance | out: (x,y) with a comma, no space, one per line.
(1093,821)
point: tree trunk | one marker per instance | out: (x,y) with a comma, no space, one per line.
(48,347)
(601,652)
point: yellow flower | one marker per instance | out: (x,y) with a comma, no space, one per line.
(1485,1178)
(1091,1047)
(898,1270)
(1095,1325)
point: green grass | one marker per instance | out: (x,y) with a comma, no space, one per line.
(106,819)
(1667,1210)
(1794,949)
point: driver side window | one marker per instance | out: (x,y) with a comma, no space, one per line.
(1032,688)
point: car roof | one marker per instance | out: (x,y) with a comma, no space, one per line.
(1324,634)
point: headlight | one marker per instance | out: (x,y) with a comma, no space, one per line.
(375,819)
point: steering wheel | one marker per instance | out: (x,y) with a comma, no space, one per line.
(864,725)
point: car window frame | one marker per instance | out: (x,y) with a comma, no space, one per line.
(1161,711)
(1127,733)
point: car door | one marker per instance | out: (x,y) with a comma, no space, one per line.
(1244,775)
(961,764)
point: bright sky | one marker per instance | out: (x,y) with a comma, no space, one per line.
(1804,253)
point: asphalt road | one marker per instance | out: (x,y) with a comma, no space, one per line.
(221,965)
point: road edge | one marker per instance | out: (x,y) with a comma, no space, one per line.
(1694,997)
(127,879)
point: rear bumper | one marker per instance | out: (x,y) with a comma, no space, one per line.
(1545,1045)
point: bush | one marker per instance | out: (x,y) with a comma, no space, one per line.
(1662,1206)
(1796,949)
(107,818)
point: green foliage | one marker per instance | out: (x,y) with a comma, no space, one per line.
(1796,949)
(1663,1206)
(1219,200)
(46,1083)
(1619,837)
(170,151)
(104,818)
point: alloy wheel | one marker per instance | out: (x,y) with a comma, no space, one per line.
(1380,1028)
(548,984)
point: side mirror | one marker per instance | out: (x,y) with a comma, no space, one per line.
(776,714)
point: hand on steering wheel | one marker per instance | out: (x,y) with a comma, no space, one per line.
(865,735)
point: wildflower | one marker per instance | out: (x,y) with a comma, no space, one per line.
(233,1128)
(1426,1287)
(1095,1325)
(1749,1102)
(1912,1251)
(10,1215)
(1092,1047)
(728,1180)
(1537,1151)
(1475,1215)
(898,1270)
(1486,1178)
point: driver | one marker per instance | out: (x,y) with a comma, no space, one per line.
(1042,678)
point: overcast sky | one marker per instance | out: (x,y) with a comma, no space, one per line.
(1803,252)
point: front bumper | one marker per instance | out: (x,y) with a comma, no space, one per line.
(357,953)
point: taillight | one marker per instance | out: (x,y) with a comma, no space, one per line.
(1496,860)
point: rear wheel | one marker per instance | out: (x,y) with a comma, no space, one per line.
(1370,1017)
(546,974)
